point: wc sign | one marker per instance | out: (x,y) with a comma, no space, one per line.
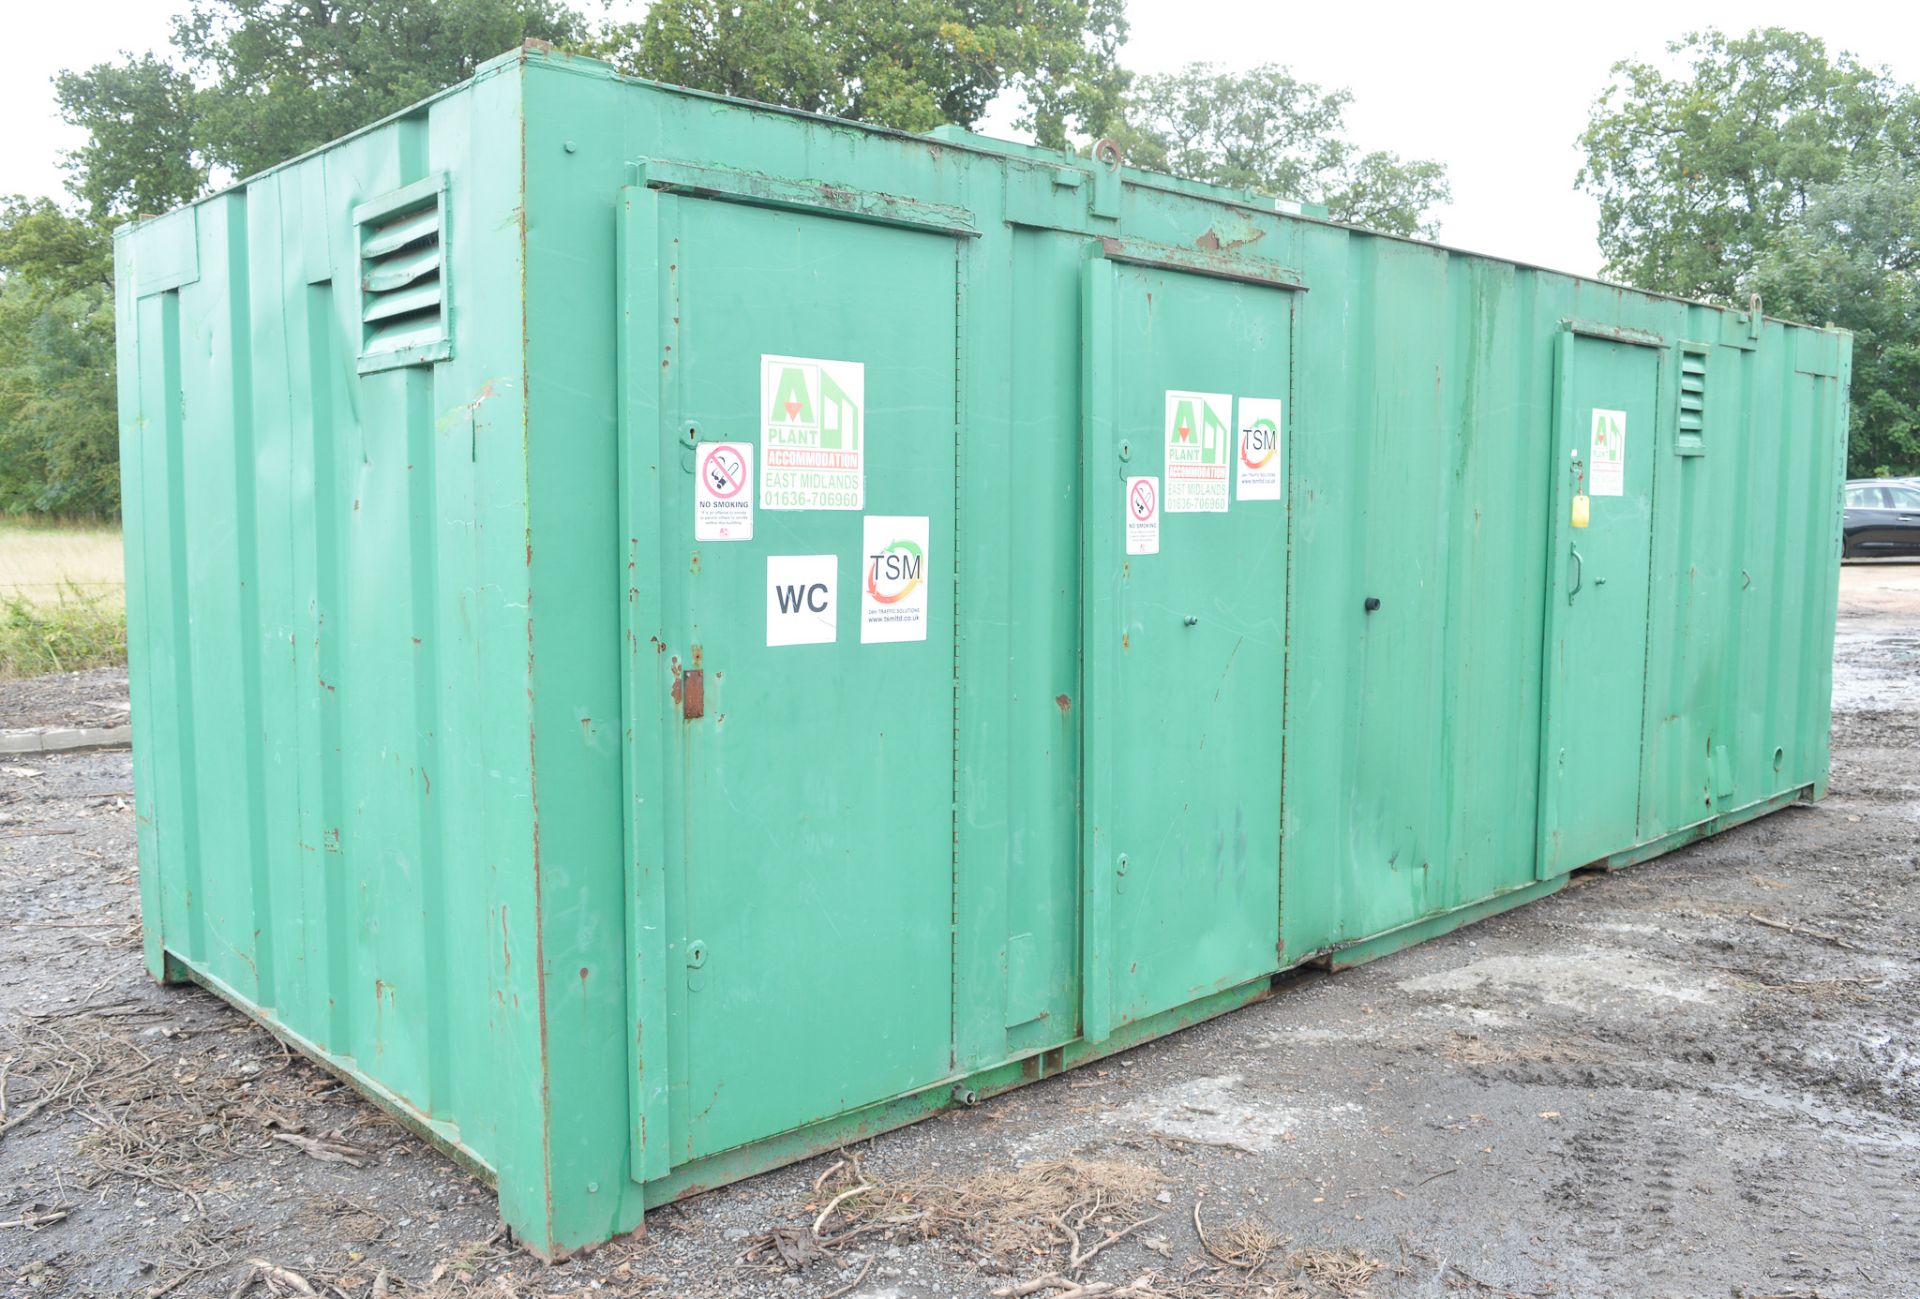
(801,609)
(1257,462)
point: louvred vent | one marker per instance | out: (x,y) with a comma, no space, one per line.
(402,305)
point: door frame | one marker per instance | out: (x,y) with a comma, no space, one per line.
(1565,430)
(1101,538)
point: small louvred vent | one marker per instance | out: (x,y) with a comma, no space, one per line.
(1693,395)
(1692,425)
(403,277)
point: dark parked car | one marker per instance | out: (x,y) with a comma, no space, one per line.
(1883,518)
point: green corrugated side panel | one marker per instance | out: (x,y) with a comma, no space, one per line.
(1424,386)
(1745,568)
(327,641)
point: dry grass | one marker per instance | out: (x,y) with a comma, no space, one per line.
(1342,1272)
(1046,1222)
(1052,1211)
(62,598)
(51,563)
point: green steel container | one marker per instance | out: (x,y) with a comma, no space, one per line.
(669,634)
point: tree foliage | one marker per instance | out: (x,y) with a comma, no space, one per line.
(1761,163)
(1698,170)
(1269,131)
(286,76)
(255,82)
(1853,258)
(58,438)
(910,64)
(140,155)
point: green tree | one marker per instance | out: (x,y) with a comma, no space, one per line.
(1269,131)
(58,438)
(254,82)
(140,155)
(910,64)
(1698,170)
(1853,259)
(1764,164)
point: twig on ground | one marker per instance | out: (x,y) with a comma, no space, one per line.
(835,1203)
(1802,931)
(324,1149)
(1080,1258)
(854,1284)
(1174,1139)
(33,1220)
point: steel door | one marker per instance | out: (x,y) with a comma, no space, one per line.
(1183,648)
(1606,395)
(807,894)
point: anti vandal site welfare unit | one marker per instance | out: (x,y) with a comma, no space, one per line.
(669,634)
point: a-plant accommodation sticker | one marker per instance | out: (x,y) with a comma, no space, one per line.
(812,434)
(1199,440)
(801,609)
(893,589)
(1608,459)
(1143,516)
(1257,459)
(723,492)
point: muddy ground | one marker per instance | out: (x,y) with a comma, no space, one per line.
(1696,1077)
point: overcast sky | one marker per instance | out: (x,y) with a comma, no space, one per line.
(1498,94)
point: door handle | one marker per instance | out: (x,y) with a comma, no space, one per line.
(1579,573)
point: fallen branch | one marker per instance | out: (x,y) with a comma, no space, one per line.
(854,1284)
(34,1221)
(1075,1289)
(1802,932)
(1173,1139)
(1206,1244)
(1078,1259)
(279,1278)
(835,1202)
(324,1150)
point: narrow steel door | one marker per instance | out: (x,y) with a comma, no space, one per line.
(797,952)
(1184,635)
(1605,441)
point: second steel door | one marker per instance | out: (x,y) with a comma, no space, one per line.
(1184,634)
(1596,653)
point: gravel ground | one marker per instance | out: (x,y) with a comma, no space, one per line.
(97,697)
(1695,1077)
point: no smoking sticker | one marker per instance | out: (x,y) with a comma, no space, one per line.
(1143,516)
(1257,460)
(723,493)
